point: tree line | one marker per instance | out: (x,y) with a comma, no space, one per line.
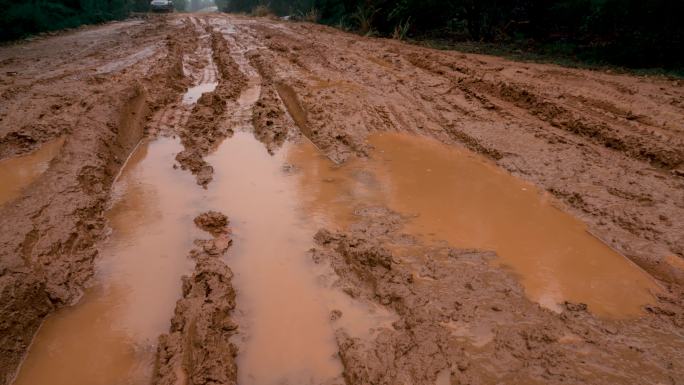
(632,33)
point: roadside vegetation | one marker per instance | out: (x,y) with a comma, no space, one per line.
(628,33)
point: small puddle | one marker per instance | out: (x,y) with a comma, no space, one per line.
(458,197)
(193,94)
(18,172)
(110,336)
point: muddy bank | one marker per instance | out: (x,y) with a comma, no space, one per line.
(50,233)
(463,321)
(197,349)
(206,127)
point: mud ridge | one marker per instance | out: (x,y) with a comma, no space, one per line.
(314,113)
(463,319)
(473,85)
(557,116)
(270,122)
(197,349)
(204,129)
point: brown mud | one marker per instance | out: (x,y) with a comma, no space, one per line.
(471,324)
(271,124)
(197,349)
(205,127)
(413,279)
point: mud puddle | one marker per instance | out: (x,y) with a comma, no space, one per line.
(17,173)
(193,94)
(456,197)
(284,300)
(110,336)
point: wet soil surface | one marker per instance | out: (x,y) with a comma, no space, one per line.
(214,199)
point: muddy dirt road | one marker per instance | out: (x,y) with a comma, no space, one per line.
(215,199)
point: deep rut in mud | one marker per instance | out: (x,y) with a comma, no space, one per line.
(282,203)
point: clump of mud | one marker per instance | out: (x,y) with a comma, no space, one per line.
(463,318)
(212,222)
(197,349)
(201,134)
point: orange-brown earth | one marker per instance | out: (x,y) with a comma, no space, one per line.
(606,148)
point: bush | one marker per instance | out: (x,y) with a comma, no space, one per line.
(261,10)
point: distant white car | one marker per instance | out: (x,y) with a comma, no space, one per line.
(161,5)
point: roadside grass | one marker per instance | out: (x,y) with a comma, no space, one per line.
(401,30)
(363,17)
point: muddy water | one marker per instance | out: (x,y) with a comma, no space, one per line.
(283,302)
(17,173)
(457,197)
(110,336)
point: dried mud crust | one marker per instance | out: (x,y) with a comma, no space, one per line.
(609,147)
(48,236)
(460,315)
(197,349)
(205,128)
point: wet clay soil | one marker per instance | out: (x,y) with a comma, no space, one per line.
(236,200)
